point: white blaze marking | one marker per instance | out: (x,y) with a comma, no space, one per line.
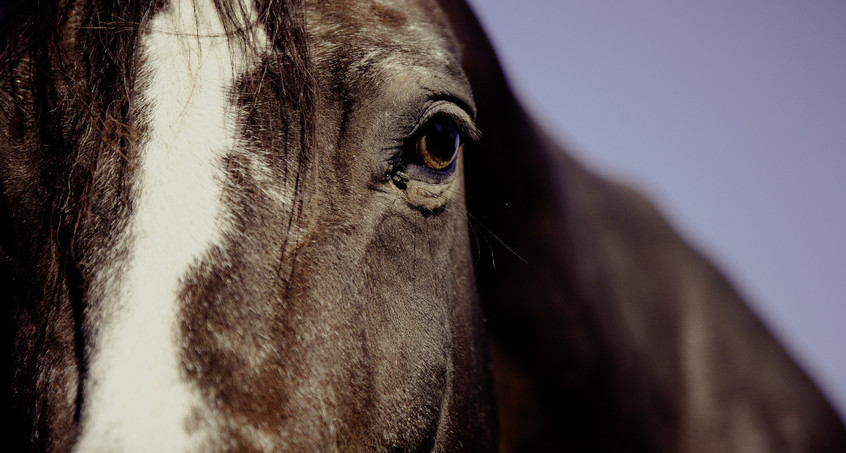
(136,399)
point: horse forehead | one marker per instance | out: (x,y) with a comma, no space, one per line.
(386,12)
(398,26)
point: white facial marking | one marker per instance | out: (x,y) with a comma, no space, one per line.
(136,398)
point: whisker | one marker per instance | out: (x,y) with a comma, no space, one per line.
(473,219)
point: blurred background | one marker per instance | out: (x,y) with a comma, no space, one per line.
(731,116)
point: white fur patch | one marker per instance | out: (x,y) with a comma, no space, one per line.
(136,398)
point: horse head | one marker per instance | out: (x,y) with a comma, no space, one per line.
(330,226)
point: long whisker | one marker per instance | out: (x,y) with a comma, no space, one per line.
(473,219)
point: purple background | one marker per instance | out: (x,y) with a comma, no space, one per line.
(731,115)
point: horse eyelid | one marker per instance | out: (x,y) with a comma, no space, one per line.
(469,132)
(455,115)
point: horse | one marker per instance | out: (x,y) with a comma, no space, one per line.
(278,225)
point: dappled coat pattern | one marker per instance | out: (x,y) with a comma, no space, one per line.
(276,225)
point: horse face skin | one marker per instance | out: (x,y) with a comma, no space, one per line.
(235,284)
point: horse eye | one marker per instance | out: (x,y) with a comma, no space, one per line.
(438,147)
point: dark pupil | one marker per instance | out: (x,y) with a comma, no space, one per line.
(440,145)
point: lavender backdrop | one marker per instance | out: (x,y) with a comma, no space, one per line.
(731,114)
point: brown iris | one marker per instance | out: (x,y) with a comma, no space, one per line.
(439,146)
